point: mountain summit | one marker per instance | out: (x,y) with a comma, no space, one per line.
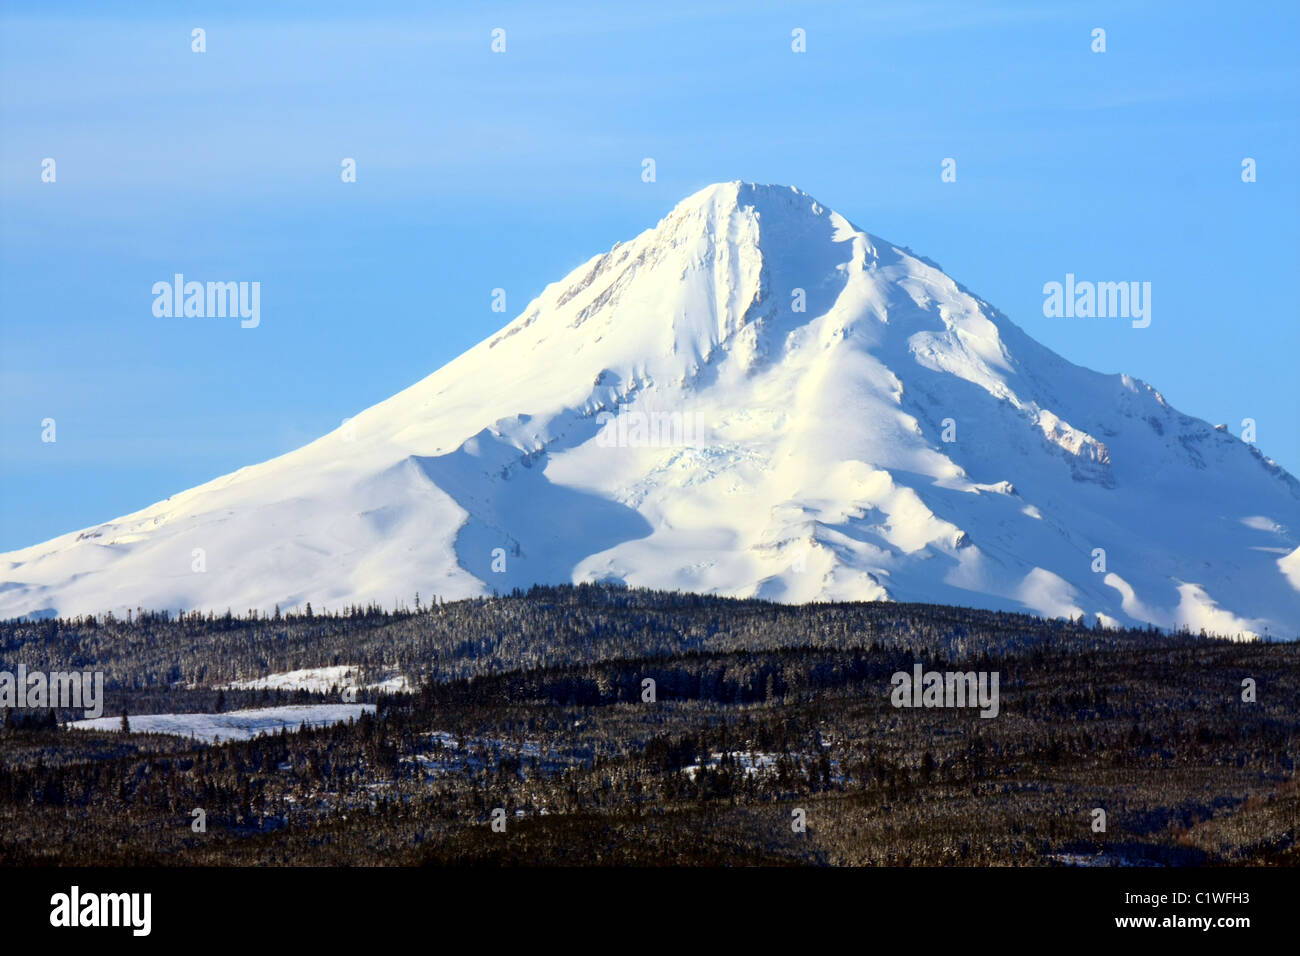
(753,398)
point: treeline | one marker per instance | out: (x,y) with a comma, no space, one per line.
(543,627)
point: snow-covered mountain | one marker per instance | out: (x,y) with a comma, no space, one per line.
(753,398)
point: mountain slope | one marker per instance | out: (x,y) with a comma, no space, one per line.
(805,457)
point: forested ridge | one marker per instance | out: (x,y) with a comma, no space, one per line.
(535,705)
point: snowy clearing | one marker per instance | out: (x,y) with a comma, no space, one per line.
(234,724)
(321,680)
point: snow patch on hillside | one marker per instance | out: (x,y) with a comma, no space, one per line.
(321,680)
(234,724)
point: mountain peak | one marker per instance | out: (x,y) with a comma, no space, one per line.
(738,192)
(720,200)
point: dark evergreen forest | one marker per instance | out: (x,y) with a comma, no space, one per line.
(531,710)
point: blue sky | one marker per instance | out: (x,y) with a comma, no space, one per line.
(478,170)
